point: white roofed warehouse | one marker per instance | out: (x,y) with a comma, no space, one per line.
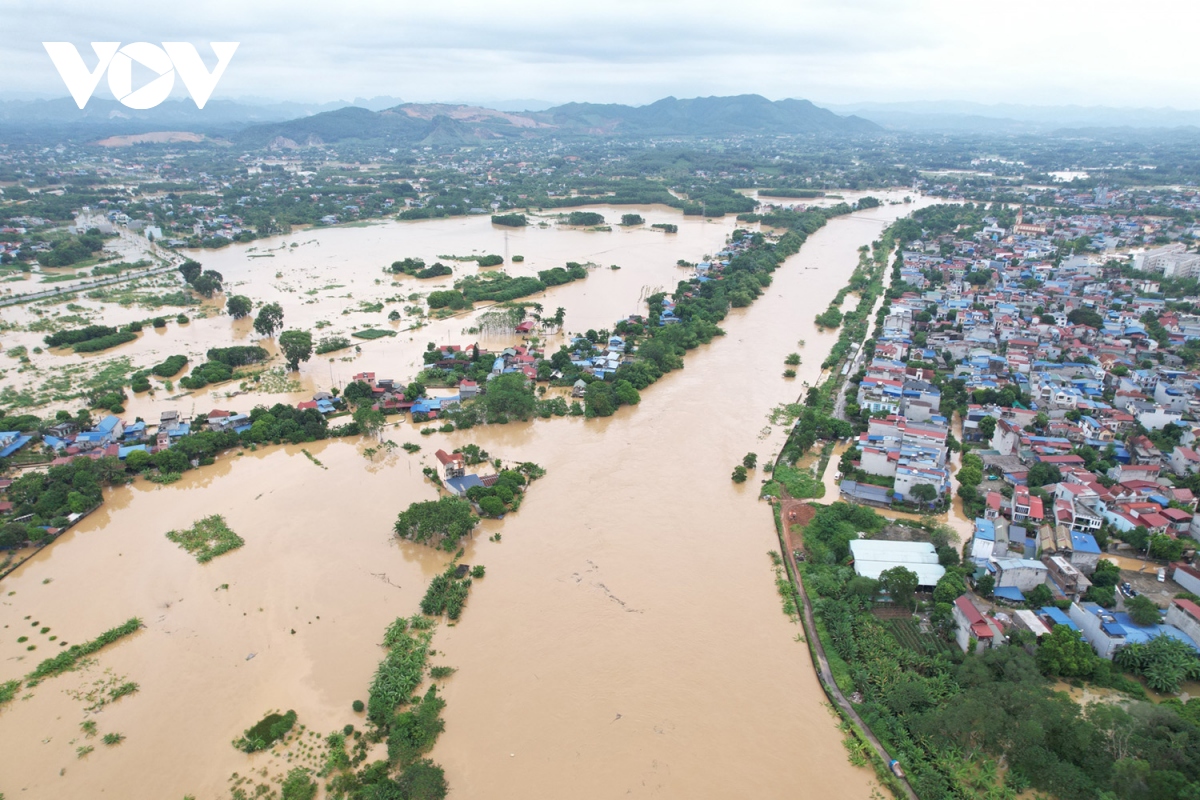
(872,557)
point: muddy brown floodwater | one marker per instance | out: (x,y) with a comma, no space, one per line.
(627,639)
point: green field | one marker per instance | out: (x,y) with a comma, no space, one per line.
(372,333)
(908,633)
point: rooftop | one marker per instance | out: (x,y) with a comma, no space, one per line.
(874,556)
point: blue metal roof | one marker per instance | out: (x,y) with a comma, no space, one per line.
(1057,616)
(15,445)
(460,485)
(1084,543)
(1009,593)
(1144,633)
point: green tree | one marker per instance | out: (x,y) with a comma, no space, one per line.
(171,460)
(739,474)
(297,346)
(1107,573)
(1138,538)
(1142,610)
(77,502)
(987,428)
(900,583)
(942,619)
(239,306)
(1164,662)
(1085,316)
(1101,595)
(422,780)
(208,284)
(369,421)
(269,319)
(137,460)
(492,506)
(924,492)
(1039,596)
(1063,653)
(510,395)
(358,392)
(1166,548)
(599,400)
(949,587)
(446,520)
(298,785)
(190,270)
(750,460)
(1041,474)
(625,394)
(985,585)
(970,476)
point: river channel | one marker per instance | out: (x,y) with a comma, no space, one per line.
(627,639)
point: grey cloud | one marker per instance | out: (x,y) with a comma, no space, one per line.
(625,51)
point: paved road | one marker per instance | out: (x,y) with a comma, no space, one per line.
(173,262)
(80,287)
(839,408)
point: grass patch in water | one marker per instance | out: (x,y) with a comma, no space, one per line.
(372,333)
(207,538)
(267,732)
(67,659)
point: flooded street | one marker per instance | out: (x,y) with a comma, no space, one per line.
(627,639)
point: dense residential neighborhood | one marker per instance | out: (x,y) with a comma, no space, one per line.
(1070,381)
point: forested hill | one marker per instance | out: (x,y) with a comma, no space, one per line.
(706,116)
(416,123)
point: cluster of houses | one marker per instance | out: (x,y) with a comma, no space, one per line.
(1134,492)
(600,361)
(1106,631)
(1066,354)
(455,475)
(113,436)
(910,453)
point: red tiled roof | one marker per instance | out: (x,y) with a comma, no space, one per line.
(1188,606)
(1035,507)
(979,628)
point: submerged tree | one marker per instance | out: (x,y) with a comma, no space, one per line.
(269,319)
(297,346)
(239,306)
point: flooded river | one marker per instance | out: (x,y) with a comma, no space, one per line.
(627,639)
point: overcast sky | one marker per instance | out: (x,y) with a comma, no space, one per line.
(835,51)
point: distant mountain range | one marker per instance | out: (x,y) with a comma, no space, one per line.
(293,124)
(442,124)
(252,122)
(102,117)
(964,117)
